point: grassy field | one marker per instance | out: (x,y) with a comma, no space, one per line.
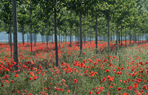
(89,73)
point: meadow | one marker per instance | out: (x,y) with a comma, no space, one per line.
(123,74)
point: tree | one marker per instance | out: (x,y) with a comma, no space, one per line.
(15,56)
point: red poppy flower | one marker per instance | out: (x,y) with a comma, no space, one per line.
(75,80)
(119,88)
(90,92)
(107,71)
(16,75)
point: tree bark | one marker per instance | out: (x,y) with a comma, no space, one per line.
(130,36)
(96,39)
(116,39)
(80,32)
(47,36)
(108,35)
(23,34)
(125,39)
(70,35)
(121,36)
(55,28)
(15,57)
(10,39)
(31,26)
(135,36)
(34,37)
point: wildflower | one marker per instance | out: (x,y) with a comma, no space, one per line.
(107,70)
(90,92)
(12,81)
(97,92)
(129,87)
(18,91)
(43,74)
(119,88)
(135,85)
(25,91)
(144,87)
(16,75)
(75,80)
(84,53)
(6,81)
(6,76)
(109,56)
(68,91)
(63,80)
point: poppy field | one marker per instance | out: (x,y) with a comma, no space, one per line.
(98,74)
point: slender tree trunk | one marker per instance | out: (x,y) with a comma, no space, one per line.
(15,57)
(111,36)
(10,39)
(125,39)
(31,40)
(139,38)
(108,36)
(96,39)
(47,40)
(55,28)
(23,34)
(31,26)
(34,37)
(81,32)
(52,36)
(135,36)
(90,37)
(70,35)
(130,36)
(77,33)
(116,39)
(121,36)
(59,38)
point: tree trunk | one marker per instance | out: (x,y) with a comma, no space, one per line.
(96,39)
(70,35)
(135,36)
(31,40)
(59,38)
(90,37)
(80,32)
(10,39)
(77,32)
(52,36)
(34,37)
(125,38)
(116,39)
(23,34)
(130,36)
(27,38)
(55,28)
(31,26)
(121,36)
(47,36)
(108,35)
(15,57)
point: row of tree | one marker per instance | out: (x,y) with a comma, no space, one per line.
(82,18)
